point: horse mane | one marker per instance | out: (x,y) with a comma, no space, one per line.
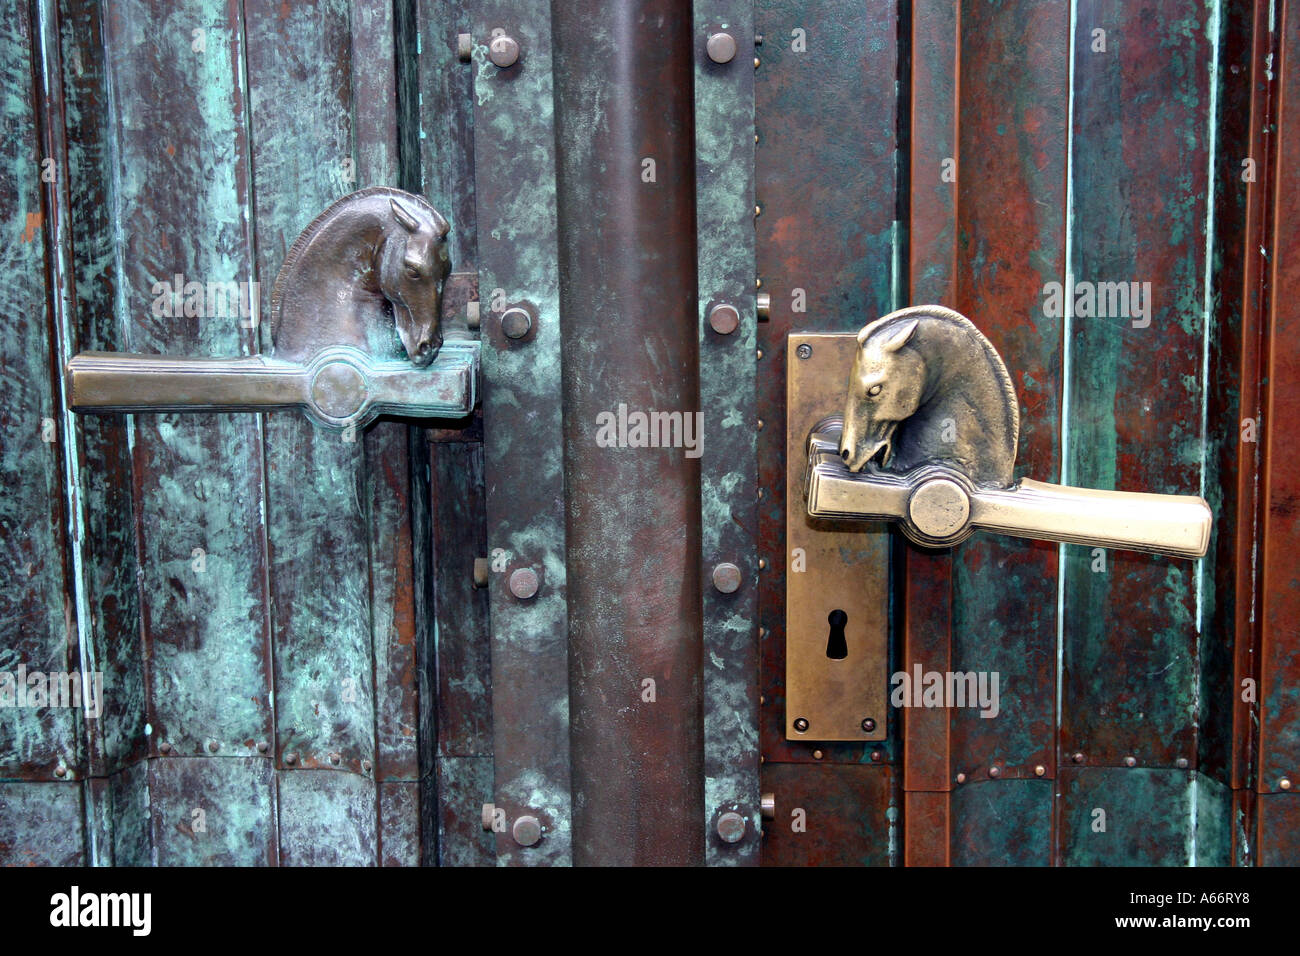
(305,237)
(956,318)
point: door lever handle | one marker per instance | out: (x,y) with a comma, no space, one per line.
(928,439)
(369,268)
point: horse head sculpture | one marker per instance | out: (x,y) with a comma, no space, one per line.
(372,262)
(928,388)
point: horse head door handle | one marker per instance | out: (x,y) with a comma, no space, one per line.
(928,438)
(361,285)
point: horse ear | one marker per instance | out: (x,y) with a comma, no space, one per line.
(901,337)
(404,217)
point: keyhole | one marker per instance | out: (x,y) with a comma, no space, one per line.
(837,648)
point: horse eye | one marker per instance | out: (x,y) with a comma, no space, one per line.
(874,390)
(413,272)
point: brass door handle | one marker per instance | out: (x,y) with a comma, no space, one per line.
(928,439)
(369,268)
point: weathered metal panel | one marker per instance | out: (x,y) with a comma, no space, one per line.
(306,150)
(36,630)
(1279,829)
(831,815)
(181,208)
(464,785)
(1002,823)
(40,822)
(1279,675)
(327,818)
(1010,181)
(399,823)
(1136,389)
(826,175)
(726,267)
(514,149)
(121,805)
(627,253)
(1118,816)
(213,811)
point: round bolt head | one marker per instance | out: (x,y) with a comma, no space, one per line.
(1181,762)
(291,759)
(877,756)
(804,351)
(164,748)
(1285,783)
(721,47)
(726,577)
(995,771)
(1130,761)
(336,759)
(767,806)
(801,724)
(263,746)
(961,778)
(523,583)
(1077,758)
(868,724)
(731,827)
(60,771)
(365,766)
(939,508)
(1039,770)
(503,51)
(724,319)
(516,323)
(213,746)
(817,755)
(527,831)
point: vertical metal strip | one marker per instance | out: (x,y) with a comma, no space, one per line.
(514,153)
(724,188)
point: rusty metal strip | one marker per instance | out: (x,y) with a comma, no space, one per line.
(724,189)
(514,151)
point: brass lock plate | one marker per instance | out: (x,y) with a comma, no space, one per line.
(837,573)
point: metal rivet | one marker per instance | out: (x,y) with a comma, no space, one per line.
(213,746)
(464,47)
(336,759)
(760,424)
(801,724)
(263,746)
(60,771)
(1181,763)
(762,564)
(503,51)
(758,353)
(758,283)
(164,748)
(515,323)
(758,210)
(731,827)
(877,756)
(764,305)
(868,724)
(523,583)
(481,566)
(767,806)
(527,831)
(724,319)
(961,778)
(1130,761)
(1285,783)
(1039,770)
(756,62)
(762,632)
(726,578)
(365,766)
(1077,758)
(804,351)
(995,771)
(762,698)
(817,755)
(721,47)
(291,759)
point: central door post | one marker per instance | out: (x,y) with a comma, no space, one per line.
(624,129)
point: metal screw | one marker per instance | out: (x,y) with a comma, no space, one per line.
(995,772)
(961,778)
(726,578)
(801,724)
(263,746)
(868,724)
(60,771)
(291,759)
(503,51)
(213,746)
(527,831)
(1285,783)
(1130,761)
(877,756)
(756,62)
(481,572)
(1181,763)
(464,47)
(724,319)
(731,827)
(1077,758)
(1039,770)
(336,759)
(817,755)
(523,584)
(804,351)
(767,806)
(515,323)
(721,47)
